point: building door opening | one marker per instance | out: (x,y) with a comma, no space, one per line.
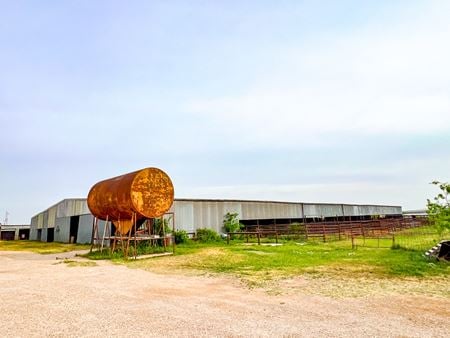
(74,221)
(50,234)
(39,235)
(8,235)
(24,234)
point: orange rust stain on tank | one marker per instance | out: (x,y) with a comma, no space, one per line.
(147,193)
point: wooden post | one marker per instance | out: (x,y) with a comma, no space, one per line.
(363,233)
(135,239)
(104,233)
(276,231)
(259,238)
(173,233)
(163,232)
(92,235)
(128,243)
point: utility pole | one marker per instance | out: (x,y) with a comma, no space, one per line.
(5,220)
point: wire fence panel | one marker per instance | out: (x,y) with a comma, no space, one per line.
(408,232)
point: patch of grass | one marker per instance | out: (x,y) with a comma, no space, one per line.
(142,249)
(290,259)
(40,247)
(72,263)
(420,238)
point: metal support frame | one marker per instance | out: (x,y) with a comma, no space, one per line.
(124,240)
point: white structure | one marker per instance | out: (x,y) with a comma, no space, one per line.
(71,221)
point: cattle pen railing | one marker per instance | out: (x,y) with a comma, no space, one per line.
(332,230)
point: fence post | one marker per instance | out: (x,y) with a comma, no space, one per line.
(259,238)
(362,233)
(323,229)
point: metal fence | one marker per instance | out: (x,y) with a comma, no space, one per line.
(384,228)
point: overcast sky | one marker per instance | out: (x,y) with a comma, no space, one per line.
(315,101)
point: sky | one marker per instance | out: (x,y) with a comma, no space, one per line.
(313,101)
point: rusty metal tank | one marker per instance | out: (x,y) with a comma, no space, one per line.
(146,193)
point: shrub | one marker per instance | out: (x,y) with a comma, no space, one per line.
(207,235)
(439,209)
(181,236)
(231,222)
(160,224)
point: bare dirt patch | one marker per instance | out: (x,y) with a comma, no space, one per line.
(40,298)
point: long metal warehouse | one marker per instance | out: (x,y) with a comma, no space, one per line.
(71,221)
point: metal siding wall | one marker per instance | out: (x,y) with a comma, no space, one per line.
(361,210)
(72,207)
(62,229)
(61,209)
(211,216)
(51,217)
(184,216)
(310,210)
(388,210)
(323,210)
(191,215)
(40,221)
(45,220)
(351,210)
(33,234)
(33,228)
(44,235)
(254,210)
(198,216)
(80,207)
(85,229)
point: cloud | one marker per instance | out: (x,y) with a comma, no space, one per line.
(380,79)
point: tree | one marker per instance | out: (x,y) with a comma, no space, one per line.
(231,222)
(439,209)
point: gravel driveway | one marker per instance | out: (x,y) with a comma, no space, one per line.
(41,296)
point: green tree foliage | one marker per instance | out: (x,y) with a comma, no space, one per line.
(231,222)
(439,208)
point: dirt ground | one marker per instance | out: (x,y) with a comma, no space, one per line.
(42,296)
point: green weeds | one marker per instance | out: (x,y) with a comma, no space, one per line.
(40,247)
(293,258)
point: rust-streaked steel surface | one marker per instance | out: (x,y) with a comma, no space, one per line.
(148,193)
